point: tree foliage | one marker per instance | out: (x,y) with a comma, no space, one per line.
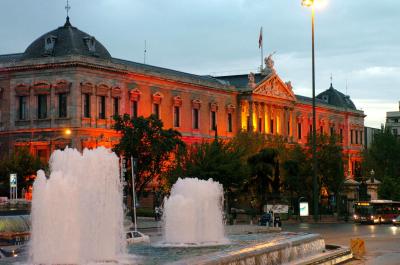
(383,157)
(152,146)
(23,164)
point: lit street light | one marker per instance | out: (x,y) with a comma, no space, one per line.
(313,4)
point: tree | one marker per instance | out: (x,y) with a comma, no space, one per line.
(23,164)
(297,173)
(383,157)
(220,161)
(265,174)
(152,146)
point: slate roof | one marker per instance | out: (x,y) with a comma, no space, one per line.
(177,75)
(10,58)
(241,81)
(68,41)
(336,98)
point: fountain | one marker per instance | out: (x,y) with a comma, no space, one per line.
(77,218)
(77,213)
(193,213)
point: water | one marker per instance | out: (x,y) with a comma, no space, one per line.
(193,213)
(77,213)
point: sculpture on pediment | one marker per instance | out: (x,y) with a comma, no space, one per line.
(252,82)
(289,85)
(269,62)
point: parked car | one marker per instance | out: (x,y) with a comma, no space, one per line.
(134,237)
(396,221)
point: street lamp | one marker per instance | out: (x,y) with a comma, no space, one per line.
(312,4)
(372,172)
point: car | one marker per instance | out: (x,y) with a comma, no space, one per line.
(135,237)
(396,221)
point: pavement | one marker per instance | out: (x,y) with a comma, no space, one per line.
(382,241)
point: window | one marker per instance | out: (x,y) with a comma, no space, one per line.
(351,136)
(361,137)
(356,137)
(332,131)
(394,131)
(196,119)
(102,107)
(229,122)
(134,109)
(156,110)
(259,124)
(299,130)
(116,106)
(271,126)
(62,105)
(176,116)
(341,135)
(213,120)
(42,106)
(86,105)
(321,130)
(23,108)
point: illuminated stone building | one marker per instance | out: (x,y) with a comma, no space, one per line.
(65,87)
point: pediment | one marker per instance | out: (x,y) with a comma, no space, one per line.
(273,86)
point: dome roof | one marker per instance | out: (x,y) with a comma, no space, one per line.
(336,98)
(66,40)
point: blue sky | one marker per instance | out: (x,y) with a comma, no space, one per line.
(357,41)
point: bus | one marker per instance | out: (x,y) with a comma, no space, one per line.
(376,211)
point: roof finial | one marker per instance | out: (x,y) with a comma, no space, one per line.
(67,8)
(331,81)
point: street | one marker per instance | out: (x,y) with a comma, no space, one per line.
(382,241)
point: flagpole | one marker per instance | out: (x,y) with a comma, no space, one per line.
(262,49)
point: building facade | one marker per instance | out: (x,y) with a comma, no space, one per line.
(393,121)
(64,89)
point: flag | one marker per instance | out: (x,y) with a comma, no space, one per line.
(260,39)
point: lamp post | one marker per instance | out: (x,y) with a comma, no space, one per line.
(372,172)
(311,4)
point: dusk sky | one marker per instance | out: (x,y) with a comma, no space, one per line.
(357,41)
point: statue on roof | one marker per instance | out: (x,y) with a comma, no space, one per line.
(289,85)
(252,80)
(269,63)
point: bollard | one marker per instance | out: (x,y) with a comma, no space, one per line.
(357,246)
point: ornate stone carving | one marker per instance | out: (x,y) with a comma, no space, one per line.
(41,88)
(252,83)
(230,108)
(134,94)
(289,85)
(87,88)
(22,90)
(196,103)
(177,101)
(62,86)
(269,63)
(102,89)
(157,97)
(116,92)
(214,106)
